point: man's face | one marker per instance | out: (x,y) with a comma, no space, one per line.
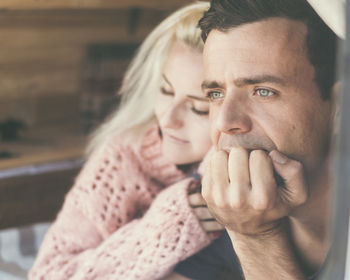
(262,90)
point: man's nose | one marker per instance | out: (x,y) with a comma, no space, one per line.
(173,116)
(233,117)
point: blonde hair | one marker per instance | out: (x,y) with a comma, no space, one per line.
(142,79)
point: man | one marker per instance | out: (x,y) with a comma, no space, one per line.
(270,77)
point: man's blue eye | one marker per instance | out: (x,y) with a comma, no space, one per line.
(264,92)
(213,95)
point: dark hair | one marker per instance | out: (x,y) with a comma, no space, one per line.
(321,41)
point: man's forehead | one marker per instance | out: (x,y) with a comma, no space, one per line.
(276,31)
(270,47)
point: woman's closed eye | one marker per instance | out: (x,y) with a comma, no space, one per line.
(166,92)
(201,112)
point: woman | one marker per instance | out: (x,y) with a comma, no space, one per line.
(133,212)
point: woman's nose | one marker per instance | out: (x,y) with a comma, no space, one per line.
(173,116)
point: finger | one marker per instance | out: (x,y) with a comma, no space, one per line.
(215,234)
(194,186)
(212,226)
(219,168)
(217,193)
(207,183)
(205,162)
(263,193)
(238,168)
(203,213)
(196,200)
(295,191)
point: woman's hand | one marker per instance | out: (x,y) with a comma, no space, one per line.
(208,222)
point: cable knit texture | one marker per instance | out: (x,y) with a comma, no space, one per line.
(119,221)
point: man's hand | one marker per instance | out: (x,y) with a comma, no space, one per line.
(242,193)
(241,190)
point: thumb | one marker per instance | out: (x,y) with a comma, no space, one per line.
(295,190)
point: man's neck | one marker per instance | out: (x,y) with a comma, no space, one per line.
(310,223)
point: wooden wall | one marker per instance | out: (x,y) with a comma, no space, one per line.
(42,55)
(46,47)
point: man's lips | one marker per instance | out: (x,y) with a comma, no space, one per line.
(249,149)
(242,141)
(174,138)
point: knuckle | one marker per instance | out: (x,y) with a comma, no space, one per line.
(238,196)
(206,194)
(196,199)
(220,203)
(201,212)
(302,197)
(237,202)
(297,167)
(261,204)
(206,191)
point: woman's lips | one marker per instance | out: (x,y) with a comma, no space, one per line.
(175,139)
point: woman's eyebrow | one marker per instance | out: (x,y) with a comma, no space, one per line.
(166,79)
(199,98)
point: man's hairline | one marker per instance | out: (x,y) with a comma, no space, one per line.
(305,46)
(228,29)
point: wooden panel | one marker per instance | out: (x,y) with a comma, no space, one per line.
(81,18)
(89,4)
(34,82)
(31,199)
(22,108)
(23,30)
(42,110)
(40,58)
(42,144)
(75,36)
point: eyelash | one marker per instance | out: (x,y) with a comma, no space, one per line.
(166,92)
(210,97)
(274,93)
(193,109)
(199,112)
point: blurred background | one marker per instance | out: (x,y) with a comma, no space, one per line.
(61,64)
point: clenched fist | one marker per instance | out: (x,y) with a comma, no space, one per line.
(241,190)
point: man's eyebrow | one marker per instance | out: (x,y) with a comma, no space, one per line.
(211,84)
(240,82)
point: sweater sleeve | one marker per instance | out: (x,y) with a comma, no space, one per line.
(145,248)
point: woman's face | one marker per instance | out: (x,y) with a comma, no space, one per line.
(181,108)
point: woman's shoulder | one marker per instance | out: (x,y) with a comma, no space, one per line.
(144,146)
(145,152)
(153,160)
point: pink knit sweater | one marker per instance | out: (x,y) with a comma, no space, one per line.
(119,222)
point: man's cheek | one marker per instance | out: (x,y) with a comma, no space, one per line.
(214,136)
(214,133)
